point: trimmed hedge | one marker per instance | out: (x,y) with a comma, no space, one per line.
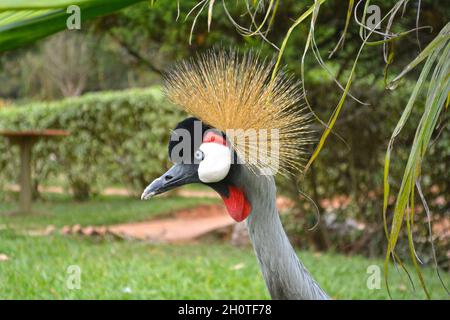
(116,137)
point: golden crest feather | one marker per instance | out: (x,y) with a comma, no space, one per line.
(263,119)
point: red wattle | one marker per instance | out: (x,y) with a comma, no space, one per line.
(238,207)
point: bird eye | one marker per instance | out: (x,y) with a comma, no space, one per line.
(199,155)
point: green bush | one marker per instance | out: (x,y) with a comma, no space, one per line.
(353,172)
(116,137)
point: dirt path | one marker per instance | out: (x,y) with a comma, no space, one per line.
(187,224)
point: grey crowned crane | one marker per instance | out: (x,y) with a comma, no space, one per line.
(247,126)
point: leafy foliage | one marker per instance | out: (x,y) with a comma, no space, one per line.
(24,21)
(351,160)
(115,136)
(438,52)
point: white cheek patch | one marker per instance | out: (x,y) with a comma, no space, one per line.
(216,162)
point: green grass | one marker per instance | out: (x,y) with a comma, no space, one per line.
(37,268)
(60,210)
(113,269)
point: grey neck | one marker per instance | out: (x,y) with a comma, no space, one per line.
(286,277)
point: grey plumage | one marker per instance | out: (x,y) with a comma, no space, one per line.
(285,275)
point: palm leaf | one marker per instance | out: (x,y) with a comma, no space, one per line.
(24,21)
(438,61)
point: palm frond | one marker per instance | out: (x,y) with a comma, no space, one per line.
(438,62)
(24,21)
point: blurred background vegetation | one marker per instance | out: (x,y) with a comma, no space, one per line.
(80,80)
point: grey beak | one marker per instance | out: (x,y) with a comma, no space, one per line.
(177,175)
(148,193)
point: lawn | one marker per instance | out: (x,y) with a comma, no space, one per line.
(114,269)
(60,210)
(111,269)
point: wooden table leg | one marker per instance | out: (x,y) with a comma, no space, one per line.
(25,176)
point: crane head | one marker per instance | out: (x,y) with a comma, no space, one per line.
(245,116)
(202,154)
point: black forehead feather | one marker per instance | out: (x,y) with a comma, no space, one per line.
(189,125)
